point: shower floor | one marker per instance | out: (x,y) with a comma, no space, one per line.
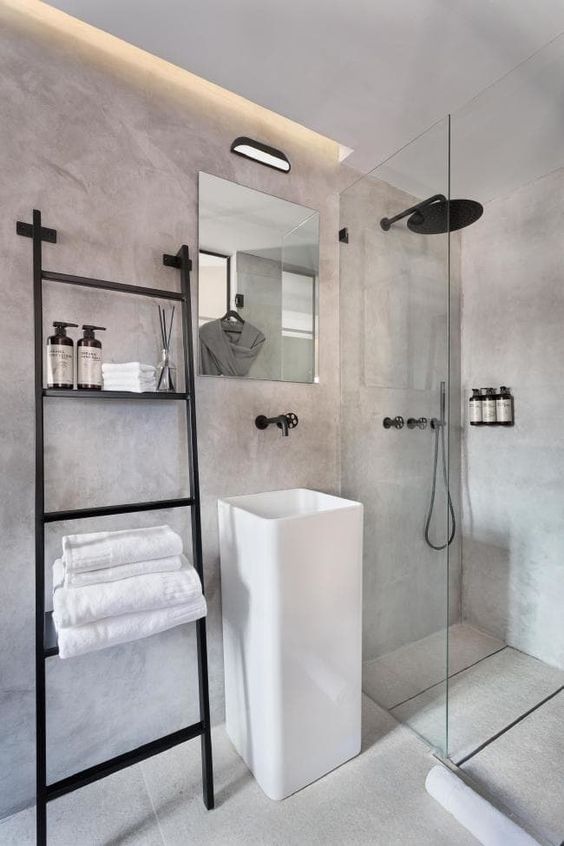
(506,711)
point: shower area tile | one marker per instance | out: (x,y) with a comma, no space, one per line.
(524,769)
(483,700)
(414,668)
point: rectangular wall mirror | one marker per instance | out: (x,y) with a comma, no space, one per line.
(258,269)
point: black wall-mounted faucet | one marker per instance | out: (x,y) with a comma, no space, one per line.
(283,421)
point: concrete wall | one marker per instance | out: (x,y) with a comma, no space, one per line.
(108,143)
(260,281)
(512,334)
(393,314)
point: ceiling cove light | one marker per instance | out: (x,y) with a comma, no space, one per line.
(261,153)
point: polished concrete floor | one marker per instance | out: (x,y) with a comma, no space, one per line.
(377,798)
(503,738)
(505,718)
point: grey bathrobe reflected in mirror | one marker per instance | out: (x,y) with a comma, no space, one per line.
(228,353)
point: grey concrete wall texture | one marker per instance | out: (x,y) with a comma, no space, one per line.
(260,281)
(110,153)
(393,313)
(512,319)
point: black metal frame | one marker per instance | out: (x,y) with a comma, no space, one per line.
(45,635)
(228,270)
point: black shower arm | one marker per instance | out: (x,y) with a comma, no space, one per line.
(386,222)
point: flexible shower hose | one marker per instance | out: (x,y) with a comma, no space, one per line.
(439,433)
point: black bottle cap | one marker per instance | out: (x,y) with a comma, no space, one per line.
(61,327)
(89,330)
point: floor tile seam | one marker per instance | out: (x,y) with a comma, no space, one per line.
(150,797)
(508,728)
(452,676)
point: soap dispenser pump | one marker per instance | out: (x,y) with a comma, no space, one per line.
(60,357)
(89,355)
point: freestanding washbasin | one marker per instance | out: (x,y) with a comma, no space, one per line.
(291,576)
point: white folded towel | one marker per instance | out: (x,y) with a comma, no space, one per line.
(78,640)
(127,368)
(129,377)
(122,376)
(132,387)
(96,550)
(77,606)
(129,382)
(113,574)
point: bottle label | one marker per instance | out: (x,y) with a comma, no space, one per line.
(60,364)
(476,412)
(488,411)
(504,411)
(89,366)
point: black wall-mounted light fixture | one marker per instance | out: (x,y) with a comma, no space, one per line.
(261,153)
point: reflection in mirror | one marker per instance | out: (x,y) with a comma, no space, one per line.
(258,284)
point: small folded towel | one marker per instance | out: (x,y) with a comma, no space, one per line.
(132,387)
(127,368)
(113,574)
(97,550)
(78,640)
(129,377)
(77,606)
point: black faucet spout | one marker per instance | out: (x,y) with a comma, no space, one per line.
(285,422)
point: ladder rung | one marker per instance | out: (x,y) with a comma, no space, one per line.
(69,393)
(87,282)
(107,510)
(106,768)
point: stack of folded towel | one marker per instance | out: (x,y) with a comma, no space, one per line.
(113,587)
(129,376)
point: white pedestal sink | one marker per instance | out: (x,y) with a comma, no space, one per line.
(291,577)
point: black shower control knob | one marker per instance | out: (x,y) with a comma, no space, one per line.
(395,422)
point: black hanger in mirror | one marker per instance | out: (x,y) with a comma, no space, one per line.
(233,315)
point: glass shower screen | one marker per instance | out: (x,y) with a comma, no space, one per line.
(399,308)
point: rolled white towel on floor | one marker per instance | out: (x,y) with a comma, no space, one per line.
(62,576)
(78,606)
(478,816)
(78,640)
(97,550)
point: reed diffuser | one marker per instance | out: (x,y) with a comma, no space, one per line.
(166,370)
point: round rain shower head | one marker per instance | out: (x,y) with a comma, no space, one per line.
(442,216)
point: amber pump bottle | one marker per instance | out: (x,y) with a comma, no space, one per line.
(504,407)
(489,417)
(89,359)
(60,357)
(476,408)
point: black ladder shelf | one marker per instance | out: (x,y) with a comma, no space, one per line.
(45,635)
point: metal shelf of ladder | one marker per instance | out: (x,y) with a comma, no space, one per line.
(45,635)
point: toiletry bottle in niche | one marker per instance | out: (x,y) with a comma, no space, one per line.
(89,359)
(475,406)
(60,357)
(489,417)
(504,407)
